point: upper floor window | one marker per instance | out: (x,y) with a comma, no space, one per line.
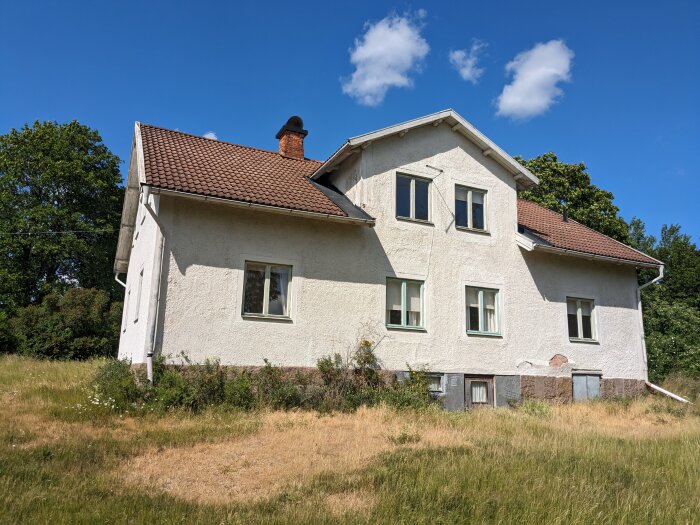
(470,208)
(483,311)
(267,289)
(580,319)
(404,303)
(412,198)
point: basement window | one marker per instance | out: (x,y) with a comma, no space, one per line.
(470,208)
(483,311)
(580,318)
(404,303)
(412,198)
(435,385)
(267,289)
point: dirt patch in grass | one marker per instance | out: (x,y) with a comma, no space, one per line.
(288,451)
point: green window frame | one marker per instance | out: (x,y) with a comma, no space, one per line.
(483,310)
(405,317)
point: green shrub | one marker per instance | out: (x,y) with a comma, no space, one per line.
(536,407)
(238,391)
(173,391)
(410,393)
(79,324)
(115,386)
(275,391)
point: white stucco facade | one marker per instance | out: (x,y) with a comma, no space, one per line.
(339,274)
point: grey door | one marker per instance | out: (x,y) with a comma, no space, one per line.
(586,386)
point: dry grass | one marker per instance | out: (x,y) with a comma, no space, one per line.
(289,451)
(603,462)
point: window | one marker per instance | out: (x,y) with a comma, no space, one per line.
(580,319)
(478,391)
(138,297)
(412,198)
(470,208)
(482,311)
(435,383)
(404,303)
(267,289)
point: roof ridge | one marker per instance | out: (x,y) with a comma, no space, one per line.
(592,229)
(253,148)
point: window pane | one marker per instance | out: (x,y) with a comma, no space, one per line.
(422,187)
(413,304)
(254,289)
(435,383)
(393,301)
(586,319)
(403,196)
(479,392)
(279,285)
(461,207)
(572,319)
(472,309)
(490,310)
(477,210)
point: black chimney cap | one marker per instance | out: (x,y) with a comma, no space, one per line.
(295,125)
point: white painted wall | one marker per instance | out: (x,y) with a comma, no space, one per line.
(339,275)
(134,315)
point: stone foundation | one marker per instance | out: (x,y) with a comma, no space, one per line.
(553,389)
(618,387)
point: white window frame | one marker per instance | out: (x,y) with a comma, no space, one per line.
(412,198)
(266,291)
(441,391)
(497,304)
(470,191)
(579,320)
(404,310)
(139,289)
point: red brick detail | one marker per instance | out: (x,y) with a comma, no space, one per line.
(292,145)
(558,360)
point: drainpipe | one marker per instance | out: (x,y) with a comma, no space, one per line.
(116,278)
(655,280)
(154,298)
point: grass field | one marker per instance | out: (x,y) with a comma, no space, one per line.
(64,459)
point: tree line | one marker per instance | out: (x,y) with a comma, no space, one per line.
(61,195)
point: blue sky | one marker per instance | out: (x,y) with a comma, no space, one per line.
(615,84)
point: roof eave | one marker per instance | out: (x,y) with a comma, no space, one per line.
(528,245)
(265,207)
(523,176)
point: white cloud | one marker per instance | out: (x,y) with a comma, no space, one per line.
(536,73)
(210,135)
(384,56)
(465,62)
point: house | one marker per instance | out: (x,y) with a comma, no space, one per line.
(412,236)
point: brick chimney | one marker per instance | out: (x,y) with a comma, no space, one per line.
(291,137)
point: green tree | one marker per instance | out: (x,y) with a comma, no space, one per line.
(570,184)
(56,178)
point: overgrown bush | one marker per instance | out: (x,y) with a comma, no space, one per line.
(115,386)
(536,407)
(79,324)
(412,392)
(340,385)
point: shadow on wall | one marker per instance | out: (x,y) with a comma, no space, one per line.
(559,276)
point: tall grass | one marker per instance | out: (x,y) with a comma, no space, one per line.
(635,461)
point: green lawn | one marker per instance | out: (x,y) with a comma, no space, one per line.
(64,460)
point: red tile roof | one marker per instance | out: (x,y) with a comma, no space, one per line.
(192,164)
(550,227)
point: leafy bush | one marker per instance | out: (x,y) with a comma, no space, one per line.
(238,391)
(412,392)
(275,391)
(115,385)
(79,324)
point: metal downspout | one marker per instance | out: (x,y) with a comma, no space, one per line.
(655,280)
(154,299)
